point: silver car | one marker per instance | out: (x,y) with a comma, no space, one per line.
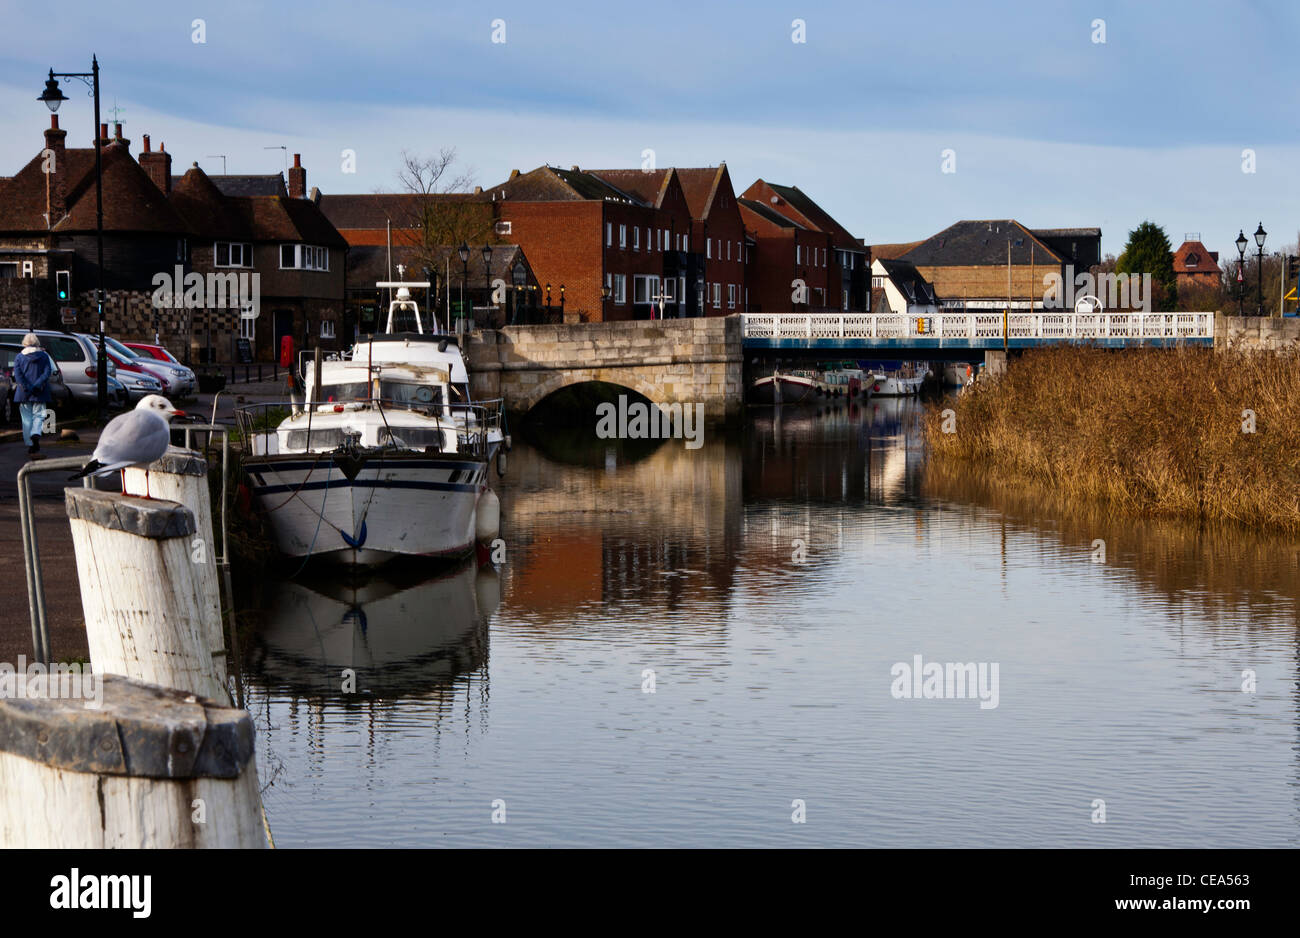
(75,355)
(178,382)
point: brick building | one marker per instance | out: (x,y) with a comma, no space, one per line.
(155,226)
(988,264)
(848,259)
(790,266)
(1195,266)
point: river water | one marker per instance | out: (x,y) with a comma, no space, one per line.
(705,648)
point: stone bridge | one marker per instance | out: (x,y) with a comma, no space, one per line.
(684,361)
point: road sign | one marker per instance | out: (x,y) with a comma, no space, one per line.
(68,314)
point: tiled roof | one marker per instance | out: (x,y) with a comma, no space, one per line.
(272,218)
(131,201)
(201,204)
(1207,261)
(700,186)
(768,214)
(272,184)
(552,184)
(374,210)
(812,215)
(910,283)
(891,251)
(1067,232)
(981,243)
(648,186)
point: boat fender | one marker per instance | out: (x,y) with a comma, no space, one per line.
(487,519)
(501,463)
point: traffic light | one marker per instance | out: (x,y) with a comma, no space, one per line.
(63,285)
(1292,267)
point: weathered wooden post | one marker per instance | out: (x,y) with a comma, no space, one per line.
(148,767)
(140,591)
(182,476)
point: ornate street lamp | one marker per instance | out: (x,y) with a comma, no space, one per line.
(1241,243)
(487,266)
(1260,235)
(53,97)
(463,251)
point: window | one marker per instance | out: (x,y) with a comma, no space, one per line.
(327,328)
(233,254)
(502,227)
(1193,259)
(877,282)
(798,254)
(731,296)
(686,241)
(708,247)
(717,296)
(619,289)
(670,290)
(728,250)
(666,242)
(182,248)
(636,238)
(622,236)
(248,329)
(609,234)
(645,288)
(304,257)
(8,270)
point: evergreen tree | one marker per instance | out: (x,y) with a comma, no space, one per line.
(1148,252)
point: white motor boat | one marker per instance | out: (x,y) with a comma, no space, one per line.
(388,457)
(904,382)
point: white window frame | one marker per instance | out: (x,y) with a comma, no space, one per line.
(622,237)
(636,238)
(645,288)
(248,330)
(15,265)
(327,328)
(717,296)
(708,248)
(668,286)
(245,253)
(618,293)
(609,234)
(306,257)
(731,296)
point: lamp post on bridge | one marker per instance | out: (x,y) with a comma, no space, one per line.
(1241,243)
(1260,235)
(463,252)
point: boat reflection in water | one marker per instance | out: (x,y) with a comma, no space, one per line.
(402,636)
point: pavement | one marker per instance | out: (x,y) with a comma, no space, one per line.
(53,534)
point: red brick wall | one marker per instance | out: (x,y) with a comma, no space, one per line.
(562,241)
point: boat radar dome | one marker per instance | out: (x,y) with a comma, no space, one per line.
(403,293)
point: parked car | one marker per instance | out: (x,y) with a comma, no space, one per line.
(117,396)
(75,355)
(138,382)
(60,396)
(178,382)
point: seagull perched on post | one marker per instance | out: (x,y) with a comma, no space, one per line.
(135,438)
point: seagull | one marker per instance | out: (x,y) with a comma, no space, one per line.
(135,438)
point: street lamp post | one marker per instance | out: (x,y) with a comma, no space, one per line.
(518,277)
(487,279)
(1260,235)
(604,298)
(1241,243)
(53,97)
(463,251)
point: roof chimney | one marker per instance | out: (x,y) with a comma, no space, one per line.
(478,190)
(103,134)
(157,165)
(297,178)
(514,173)
(56,189)
(574,169)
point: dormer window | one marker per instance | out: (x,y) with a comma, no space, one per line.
(1192,259)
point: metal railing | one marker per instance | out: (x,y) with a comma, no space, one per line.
(473,423)
(982,326)
(31,549)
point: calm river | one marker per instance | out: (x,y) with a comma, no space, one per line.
(704,648)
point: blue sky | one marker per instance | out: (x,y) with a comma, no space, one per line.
(1047,126)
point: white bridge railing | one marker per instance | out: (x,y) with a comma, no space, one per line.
(981,327)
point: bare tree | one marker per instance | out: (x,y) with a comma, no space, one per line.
(444,213)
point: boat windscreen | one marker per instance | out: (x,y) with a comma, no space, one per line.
(399,392)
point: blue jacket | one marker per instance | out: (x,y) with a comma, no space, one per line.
(32,370)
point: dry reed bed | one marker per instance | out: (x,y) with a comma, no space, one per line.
(1149,431)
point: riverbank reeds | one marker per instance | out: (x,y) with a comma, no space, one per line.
(1184,432)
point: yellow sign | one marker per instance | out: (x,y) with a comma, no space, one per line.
(1291,295)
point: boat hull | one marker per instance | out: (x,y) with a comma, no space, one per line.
(370,510)
(782,389)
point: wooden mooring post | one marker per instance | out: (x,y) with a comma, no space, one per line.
(147,767)
(182,476)
(146,615)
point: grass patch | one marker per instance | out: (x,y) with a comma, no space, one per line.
(1148,431)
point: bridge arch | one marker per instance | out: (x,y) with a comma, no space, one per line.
(552,382)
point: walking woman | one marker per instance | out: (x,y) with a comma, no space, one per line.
(32,370)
